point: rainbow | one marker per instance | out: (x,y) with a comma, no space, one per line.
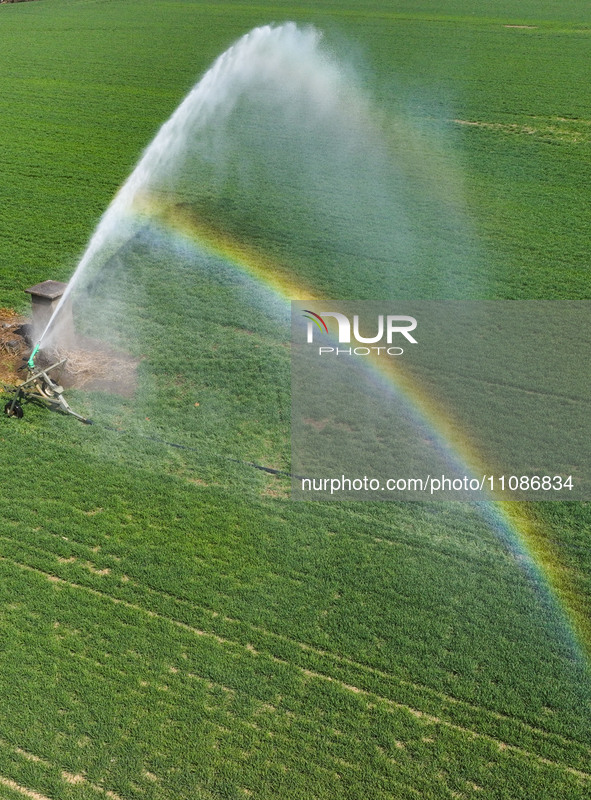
(511,520)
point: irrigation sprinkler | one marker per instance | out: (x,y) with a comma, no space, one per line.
(40,386)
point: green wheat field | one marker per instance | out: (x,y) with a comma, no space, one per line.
(172,625)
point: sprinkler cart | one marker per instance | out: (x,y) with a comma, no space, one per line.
(40,386)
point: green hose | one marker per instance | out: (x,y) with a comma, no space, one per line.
(31,361)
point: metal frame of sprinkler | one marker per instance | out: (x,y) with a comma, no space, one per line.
(40,386)
(45,298)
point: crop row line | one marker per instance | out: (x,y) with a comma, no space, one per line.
(417,713)
(364,667)
(323,729)
(463,558)
(336,657)
(66,777)
(16,787)
(438,721)
(301,760)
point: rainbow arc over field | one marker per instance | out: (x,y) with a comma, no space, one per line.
(518,529)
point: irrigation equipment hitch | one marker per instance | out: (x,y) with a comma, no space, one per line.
(40,386)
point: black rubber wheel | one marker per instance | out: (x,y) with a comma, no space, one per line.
(16,411)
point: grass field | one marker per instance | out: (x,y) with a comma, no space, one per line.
(171,624)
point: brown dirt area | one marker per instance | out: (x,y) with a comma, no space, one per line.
(90,365)
(95,367)
(14,349)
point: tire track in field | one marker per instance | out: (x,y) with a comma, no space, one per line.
(357,665)
(317,651)
(340,659)
(323,730)
(487,568)
(365,668)
(296,761)
(16,787)
(417,713)
(453,726)
(303,646)
(68,777)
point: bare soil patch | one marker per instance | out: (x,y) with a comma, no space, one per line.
(14,347)
(93,366)
(90,365)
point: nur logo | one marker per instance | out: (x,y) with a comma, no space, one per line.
(386,325)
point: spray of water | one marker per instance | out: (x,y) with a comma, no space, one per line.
(280,127)
(266,63)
